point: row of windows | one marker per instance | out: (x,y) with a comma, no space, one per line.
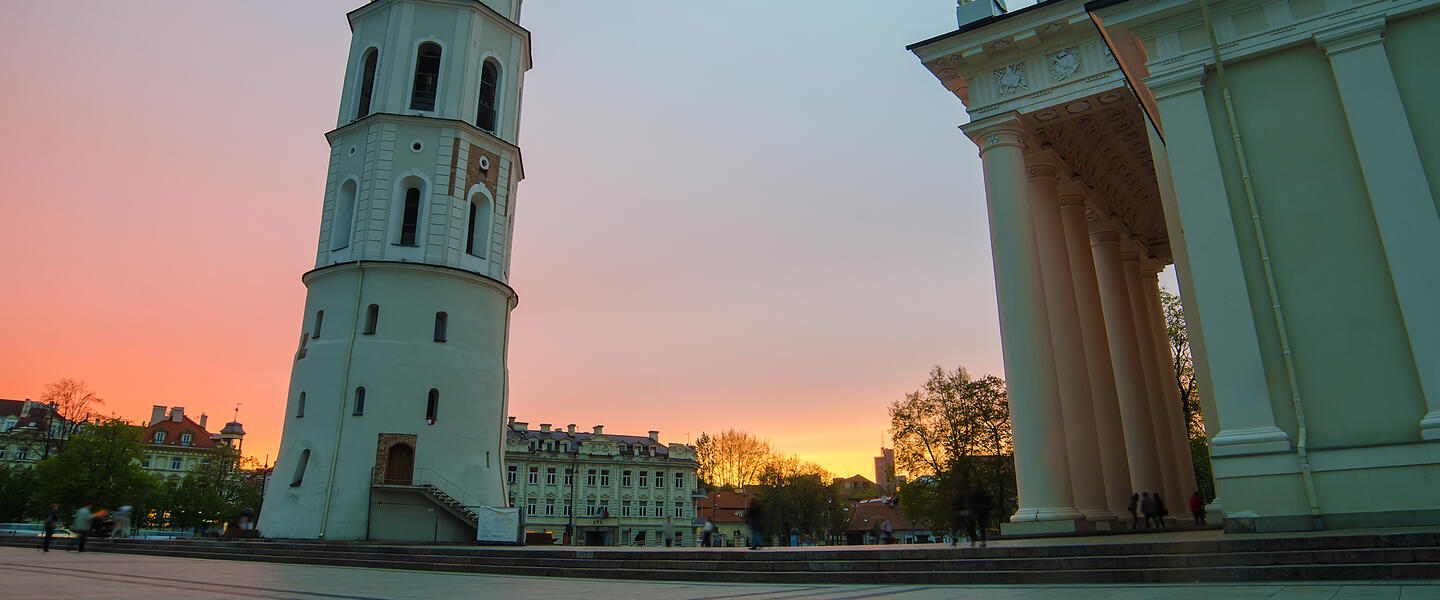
(184,438)
(432,405)
(551,445)
(425,88)
(372,323)
(533,477)
(407,233)
(602,508)
(174,462)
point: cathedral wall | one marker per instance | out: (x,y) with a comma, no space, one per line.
(1413,46)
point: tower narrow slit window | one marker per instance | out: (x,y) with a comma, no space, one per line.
(359,401)
(300,468)
(485,114)
(367,82)
(300,406)
(432,406)
(372,319)
(441,322)
(410,218)
(344,220)
(319,320)
(427,77)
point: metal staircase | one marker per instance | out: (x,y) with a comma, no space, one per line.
(443,492)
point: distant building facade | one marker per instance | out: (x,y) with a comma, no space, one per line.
(23,435)
(174,443)
(600,489)
(727,510)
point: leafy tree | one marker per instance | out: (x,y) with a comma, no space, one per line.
(797,495)
(1188,384)
(956,431)
(100,466)
(731,458)
(15,488)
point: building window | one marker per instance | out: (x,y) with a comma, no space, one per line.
(569,477)
(410,216)
(372,319)
(532,446)
(679,510)
(344,219)
(159,437)
(489,85)
(644,475)
(644,508)
(441,320)
(604,509)
(659,509)
(659,479)
(590,507)
(367,82)
(144,463)
(511,473)
(533,477)
(625,479)
(359,401)
(605,477)
(319,320)
(679,480)
(175,463)
(185,439)
(590,477)
(22,454)
(478,232)
(564,446)
(427,77)
(530,507)
(300,406)
(550,476)
(549,507)
(432,406)
(565,508)
(624,508)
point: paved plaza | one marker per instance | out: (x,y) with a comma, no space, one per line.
(30,574)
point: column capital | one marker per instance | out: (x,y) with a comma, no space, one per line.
(1129,256)
(1150,269)
(1040,171)
(996,132)
(1351,36)
(1104,237)
(1072,199)
(1177,82)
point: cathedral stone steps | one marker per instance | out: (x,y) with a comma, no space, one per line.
(1335,557)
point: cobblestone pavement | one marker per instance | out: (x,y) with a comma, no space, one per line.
(30,574)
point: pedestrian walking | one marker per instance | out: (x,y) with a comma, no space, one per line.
(980,504)
(1147,507)
(755,519)
(707,534)
(51,518)
(1197,508)
(668,530)
(81,527)
(121,521)
(964,517)
(1134,511)
(889,531)
(1160,510)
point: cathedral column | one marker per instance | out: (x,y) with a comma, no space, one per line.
(1086,474)
(1400,196)
(1177,430)
(1042,469)
(1154,384)
(1109,432)
(1130,388)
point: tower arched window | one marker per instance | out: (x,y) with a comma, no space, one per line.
(410,218)
(442,322)
(319,320)
(477,239)
(344,219)
(432,406)
(372,319)
(300,468)
(300,406)
(485,114)
(367,82)
(427,77)
(359,401)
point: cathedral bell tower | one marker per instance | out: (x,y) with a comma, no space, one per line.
(395,415)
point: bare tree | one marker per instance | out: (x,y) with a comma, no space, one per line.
(68,404)
(731,458)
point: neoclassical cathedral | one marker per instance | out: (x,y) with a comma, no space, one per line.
(394,425)
(1283,156)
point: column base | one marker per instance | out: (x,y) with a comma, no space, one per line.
(1046,527)
(1430,427)
(1025,514)
(1098,515)
(1251,440)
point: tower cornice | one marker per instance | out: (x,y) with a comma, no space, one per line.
(395,265)
(467,127)
(477,5)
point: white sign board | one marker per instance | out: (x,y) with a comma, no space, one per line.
(497,525)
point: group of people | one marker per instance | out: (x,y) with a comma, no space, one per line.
(1152,507)
(86,523)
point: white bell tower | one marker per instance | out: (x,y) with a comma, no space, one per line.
(395,416)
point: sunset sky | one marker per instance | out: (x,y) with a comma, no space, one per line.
(756,215)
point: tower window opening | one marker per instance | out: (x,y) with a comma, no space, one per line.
(300,406)
(372,318)
(359,401)
(441,321)
(485,114)
(344,219)
(319,320)
(427,77)
(432,406)
(367,82)
(410,218)
(300,468)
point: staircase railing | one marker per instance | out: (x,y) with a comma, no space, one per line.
(440,487)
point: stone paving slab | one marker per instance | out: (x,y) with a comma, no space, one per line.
(30,574)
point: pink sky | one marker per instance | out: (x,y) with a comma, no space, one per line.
(756,215)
